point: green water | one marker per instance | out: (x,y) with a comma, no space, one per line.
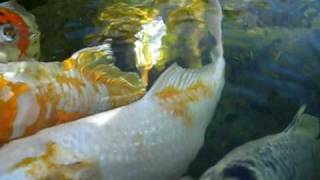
(272,51)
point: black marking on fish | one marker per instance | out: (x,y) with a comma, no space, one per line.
(239,172)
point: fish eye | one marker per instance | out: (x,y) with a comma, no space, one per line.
(238,172)
(8,32)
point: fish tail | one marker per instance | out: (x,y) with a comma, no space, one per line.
(304,124)
(214,18)
(211,75)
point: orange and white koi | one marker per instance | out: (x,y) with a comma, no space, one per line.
(155,137)
(19,35)
(36,95)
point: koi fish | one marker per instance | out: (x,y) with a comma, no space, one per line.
(155,137)
(19,35)
(36,95)
(290,155)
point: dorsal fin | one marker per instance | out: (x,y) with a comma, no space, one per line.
(96,63)
(214,19)
(304,124)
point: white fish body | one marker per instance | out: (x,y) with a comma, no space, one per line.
(154,138)
(289,155)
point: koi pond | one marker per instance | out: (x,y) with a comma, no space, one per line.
(271,49)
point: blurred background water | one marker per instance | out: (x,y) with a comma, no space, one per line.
(272,51)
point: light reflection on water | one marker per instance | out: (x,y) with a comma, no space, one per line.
(272,50)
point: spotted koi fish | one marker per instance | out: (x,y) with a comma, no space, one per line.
(155,137)
(36,95)
(19,35)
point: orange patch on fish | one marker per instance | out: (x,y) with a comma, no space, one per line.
(50,114)
(121,93)
(121,89)
(62,116)
(43,100)
(7,118)
(66,95)
(51,151)
(50,164)
(8,16)
(69,64)
(178,100)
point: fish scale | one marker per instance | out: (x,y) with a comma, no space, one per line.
(290,155)
(279,154)
(288,170)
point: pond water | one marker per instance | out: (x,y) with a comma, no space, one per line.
(272,51)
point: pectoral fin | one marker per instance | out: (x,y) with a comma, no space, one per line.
(304,124)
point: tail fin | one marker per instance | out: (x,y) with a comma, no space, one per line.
(214,19)
(304,124)
(96,63)
(210,74)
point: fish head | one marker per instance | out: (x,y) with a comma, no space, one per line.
(233,171)
(19,35)
(8,42)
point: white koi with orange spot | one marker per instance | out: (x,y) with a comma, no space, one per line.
(151,138)
(37,95)
(144,140)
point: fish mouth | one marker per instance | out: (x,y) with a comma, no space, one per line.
(239,172)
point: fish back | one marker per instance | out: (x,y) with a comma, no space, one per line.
(38,95)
